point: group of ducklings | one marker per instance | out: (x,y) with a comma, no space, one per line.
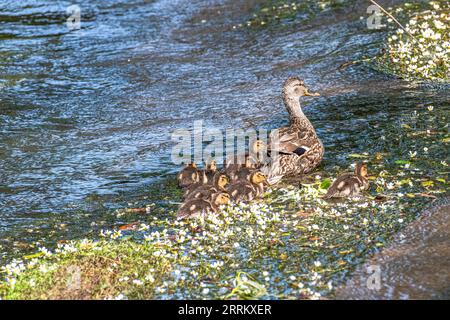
(205,190)
(292,150)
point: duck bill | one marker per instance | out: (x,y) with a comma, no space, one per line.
(310,94)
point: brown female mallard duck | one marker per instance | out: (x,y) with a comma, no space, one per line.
(248,190)
(349,184)
(295,149)
(199,208)
(189,175)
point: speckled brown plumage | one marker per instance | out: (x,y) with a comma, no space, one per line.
(189,175)
(295,149)
(247,189)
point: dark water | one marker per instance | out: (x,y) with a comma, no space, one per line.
(86,115)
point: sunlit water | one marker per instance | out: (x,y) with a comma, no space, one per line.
(86,115)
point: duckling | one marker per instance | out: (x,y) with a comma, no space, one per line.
(211,170)
(205,191)
(188,175)
(295,149)
(252,160)
(244,172)
(248,190)
(217,183)
(203,180)
(199,208)
(258,154)
(349,184)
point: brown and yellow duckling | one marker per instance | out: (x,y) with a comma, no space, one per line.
(189,175)
(258,154)
(205,191)
(248,189)
(203,180)
(248,161)
(349,184)
(210,170)
(201,189)
(200,208)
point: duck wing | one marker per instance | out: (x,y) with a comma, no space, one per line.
(288,140)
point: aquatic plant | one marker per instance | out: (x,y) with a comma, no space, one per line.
(275,11)
(421,50)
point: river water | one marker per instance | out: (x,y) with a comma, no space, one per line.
(86,115)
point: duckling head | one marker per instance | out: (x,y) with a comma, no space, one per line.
(294,88)
(212,165)
(361,169)
(222,181)
(221,198)
(258,146)
(258,177)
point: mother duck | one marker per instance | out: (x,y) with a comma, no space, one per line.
(296,148)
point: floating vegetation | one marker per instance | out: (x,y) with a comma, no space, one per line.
(421,50)
(276,11)
(291,244)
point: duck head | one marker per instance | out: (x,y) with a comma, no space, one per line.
(258,177)
(361,169)
(294,88)
(221,198)
(222,181)
(211,166)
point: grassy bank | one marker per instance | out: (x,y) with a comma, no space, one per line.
(291,244)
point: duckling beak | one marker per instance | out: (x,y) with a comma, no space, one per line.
(309,94)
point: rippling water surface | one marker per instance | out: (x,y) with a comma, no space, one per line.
(86,115)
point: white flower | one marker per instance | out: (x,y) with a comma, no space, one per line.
(138,282)
(119,297)
(150,278)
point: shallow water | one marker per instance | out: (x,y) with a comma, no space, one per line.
(86,115)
